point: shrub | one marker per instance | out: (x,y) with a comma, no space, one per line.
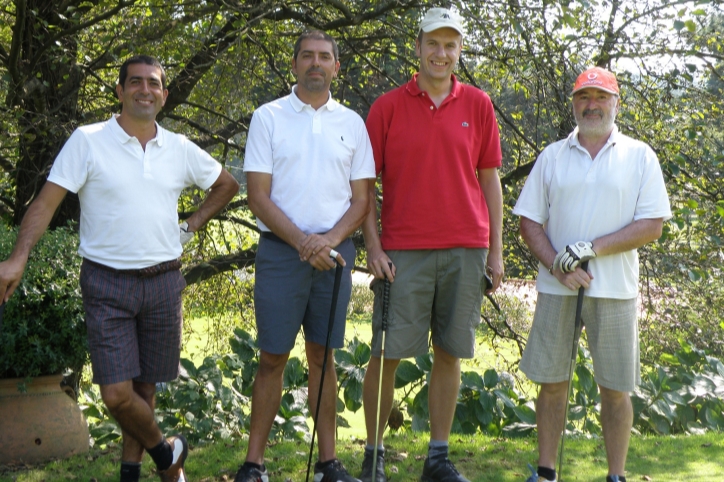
(43,327)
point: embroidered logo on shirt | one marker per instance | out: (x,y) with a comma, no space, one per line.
(465,124)
(342,137)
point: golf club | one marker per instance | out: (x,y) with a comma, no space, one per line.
(578,326)
(335,295)
(385,314)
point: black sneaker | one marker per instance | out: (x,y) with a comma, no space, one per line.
(332,471)
(249,473)
(443,470)
(176,473)
(366,475)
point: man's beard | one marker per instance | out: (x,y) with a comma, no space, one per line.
(595,127)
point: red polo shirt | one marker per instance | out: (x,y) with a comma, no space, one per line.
(428,158)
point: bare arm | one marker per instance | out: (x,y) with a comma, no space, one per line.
(260,203)
(377,260)
(219,196)
(34,224)
(537,240)
(490,185)
(319,245)
(632,236)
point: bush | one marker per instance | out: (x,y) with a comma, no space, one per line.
(43,327)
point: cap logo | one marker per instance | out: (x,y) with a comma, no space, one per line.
(592,76)
(445,15)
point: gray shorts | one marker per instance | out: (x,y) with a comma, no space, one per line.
(134,324)
(289,294)
(436,292)
(611,328)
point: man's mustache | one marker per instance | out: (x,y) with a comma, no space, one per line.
(316,70)
(593,111)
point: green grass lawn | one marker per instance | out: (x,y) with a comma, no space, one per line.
(479,458)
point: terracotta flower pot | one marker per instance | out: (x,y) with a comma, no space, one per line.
(43,423)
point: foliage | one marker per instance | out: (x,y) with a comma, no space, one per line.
(685,394)
(43,327)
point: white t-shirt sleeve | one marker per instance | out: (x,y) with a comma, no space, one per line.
(653,201)
(258,156)
(533,201)
(70,168)
(201,169)
(363,162)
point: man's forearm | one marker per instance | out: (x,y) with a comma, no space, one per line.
(37,219)
(369,223)
(630,237)
(537,241)
(220,193)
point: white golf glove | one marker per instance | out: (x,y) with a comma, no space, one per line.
(185,235)
(573,255)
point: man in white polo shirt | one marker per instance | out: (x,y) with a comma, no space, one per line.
(308,160)
(128,173)
(597,195)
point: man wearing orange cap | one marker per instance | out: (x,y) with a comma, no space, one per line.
(595,196)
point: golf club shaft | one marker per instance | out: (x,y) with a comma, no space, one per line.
(385,314)
(332,312)
(577,327)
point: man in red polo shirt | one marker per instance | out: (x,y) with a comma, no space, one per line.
(437,150)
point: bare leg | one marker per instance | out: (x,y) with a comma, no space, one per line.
(327,421)
(616,421)
(443,393)
(550,412)
(133,414)
(369,395)
(132,449)
(265,399)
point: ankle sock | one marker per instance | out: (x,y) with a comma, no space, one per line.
(254,466)
(546,473)
(162,455)
(130,472)
(371,449)
(325,464)
(437,449)
(610,478)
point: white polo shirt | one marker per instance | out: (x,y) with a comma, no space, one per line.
(312,156)
(128,196)
(577,198)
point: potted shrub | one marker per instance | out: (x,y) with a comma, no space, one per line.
(42,336)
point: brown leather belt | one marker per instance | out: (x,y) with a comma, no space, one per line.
(147,272)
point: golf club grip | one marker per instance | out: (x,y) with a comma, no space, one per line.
(579,310)
(385,303)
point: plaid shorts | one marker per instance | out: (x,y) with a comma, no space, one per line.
(613,338)
(134,324)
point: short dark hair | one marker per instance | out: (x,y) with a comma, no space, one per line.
(316,35)
(140,59)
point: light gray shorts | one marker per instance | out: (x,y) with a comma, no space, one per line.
(436,292)
(612,331)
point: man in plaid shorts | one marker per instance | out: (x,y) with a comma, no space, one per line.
(128,173)
(597,195)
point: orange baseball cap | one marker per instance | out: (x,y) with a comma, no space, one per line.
(596,78)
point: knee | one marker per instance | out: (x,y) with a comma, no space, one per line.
(116,396)
(443,359)
(613,398)
(316,355)
(147,391)
(554,390)
(272,364)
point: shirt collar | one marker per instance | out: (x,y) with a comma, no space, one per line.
(298,105)
(414,89)
(123,136)
(574,142)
